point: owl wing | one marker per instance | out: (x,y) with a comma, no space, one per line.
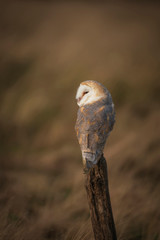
(93,126)
(100,126)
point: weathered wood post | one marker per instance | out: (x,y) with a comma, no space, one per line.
(95,120)
(96,184)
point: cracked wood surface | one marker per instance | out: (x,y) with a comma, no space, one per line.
(96,184)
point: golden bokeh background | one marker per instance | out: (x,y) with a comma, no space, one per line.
(46,49)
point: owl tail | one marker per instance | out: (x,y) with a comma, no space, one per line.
(89,160)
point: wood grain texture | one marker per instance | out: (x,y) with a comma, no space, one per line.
(96,184)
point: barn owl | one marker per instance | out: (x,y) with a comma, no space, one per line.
(95,120)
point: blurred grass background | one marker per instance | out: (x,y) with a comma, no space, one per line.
(46,49)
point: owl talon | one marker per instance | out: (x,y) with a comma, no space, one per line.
(85,171)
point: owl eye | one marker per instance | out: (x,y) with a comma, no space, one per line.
(85,92)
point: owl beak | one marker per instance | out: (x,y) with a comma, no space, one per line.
(78,100)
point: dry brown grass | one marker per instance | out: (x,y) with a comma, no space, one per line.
(46,50)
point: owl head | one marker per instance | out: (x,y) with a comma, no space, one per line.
(89,92)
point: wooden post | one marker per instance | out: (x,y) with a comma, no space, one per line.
(99,201)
